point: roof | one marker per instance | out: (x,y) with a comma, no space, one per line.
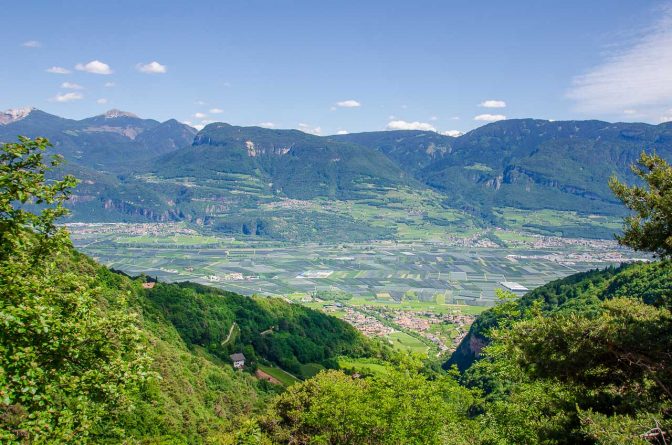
(237,357)
(512,285)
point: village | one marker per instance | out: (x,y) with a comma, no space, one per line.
(443,330)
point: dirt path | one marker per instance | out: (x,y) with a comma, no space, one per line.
(228,337)
(269,378)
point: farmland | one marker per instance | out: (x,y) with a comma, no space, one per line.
(420,296)
(419,274)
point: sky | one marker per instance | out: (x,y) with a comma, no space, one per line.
(346,66)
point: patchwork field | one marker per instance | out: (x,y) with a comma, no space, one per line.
(419,296)
(465,271)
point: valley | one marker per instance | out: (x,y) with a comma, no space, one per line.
(421,296)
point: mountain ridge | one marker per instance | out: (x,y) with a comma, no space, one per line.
(229,176)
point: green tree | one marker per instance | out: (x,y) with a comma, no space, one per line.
(400,407)
(571,378)
(69,358)
(650,228)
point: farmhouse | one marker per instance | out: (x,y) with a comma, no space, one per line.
(238,360)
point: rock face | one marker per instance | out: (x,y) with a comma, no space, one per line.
(14,115)
(467,352)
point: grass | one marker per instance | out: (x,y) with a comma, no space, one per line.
(311,369)
(554,220)
(177,240)
(362,365)
(417,306)
(283,377)
(403,341)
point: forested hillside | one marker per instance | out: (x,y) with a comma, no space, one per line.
(582,292)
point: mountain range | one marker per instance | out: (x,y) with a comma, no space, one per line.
(289,185)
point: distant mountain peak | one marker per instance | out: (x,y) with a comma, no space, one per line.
(114,113)
(14,114)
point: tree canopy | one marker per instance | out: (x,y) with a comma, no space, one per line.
(650,227)
(64,367)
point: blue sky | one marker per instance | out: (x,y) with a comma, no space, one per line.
(326,67)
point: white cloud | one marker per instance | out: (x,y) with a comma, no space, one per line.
(491,103)
(101,101)
(629,112)
(266,124)
(94,67)
(200,115)
(666,116)
(58,70)
(403,125)
(634,76)
(434,118)
(110,84)
(216,110)
(310,129)
(342,132)
(151,68)
(350,103)
(199,127)
(453,133)
(71,86)
(200,102)
(67,97)
(31,44)
(489,117)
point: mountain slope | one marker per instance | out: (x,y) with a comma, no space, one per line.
(111,141)
(292,163)
(525,163)
(525,174)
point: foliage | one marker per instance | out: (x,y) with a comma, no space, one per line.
(401,406)
(22,181)
(574,378)
(650,228)
(273,330)
(65,368)
(332,295)
(578,293)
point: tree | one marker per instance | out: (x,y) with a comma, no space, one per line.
(22,182)
(400,406)
(650,228)
(69,358)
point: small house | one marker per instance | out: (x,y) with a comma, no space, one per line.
(238,360)
(148,285)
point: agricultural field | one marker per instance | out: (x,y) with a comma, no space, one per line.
(412,275)
(419,296)
(285,378)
